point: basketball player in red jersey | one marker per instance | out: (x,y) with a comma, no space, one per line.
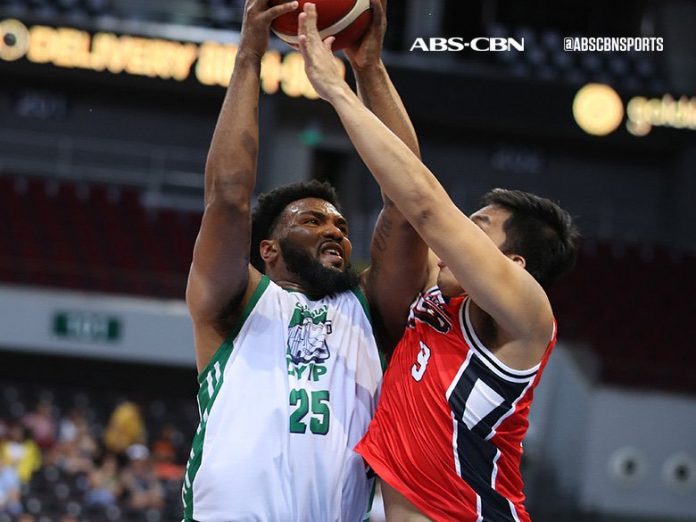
(447,436)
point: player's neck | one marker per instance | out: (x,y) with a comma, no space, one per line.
(292,283)
(449,293)
(284,278)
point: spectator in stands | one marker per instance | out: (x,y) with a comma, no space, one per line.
(142,490)
(42,424)
(164,452)
(21,452)
(76,449)
(167,442)
(104,485)
(10,487)
(77,456)
(70,425)
(125,428)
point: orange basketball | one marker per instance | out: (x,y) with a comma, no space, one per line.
(346,20)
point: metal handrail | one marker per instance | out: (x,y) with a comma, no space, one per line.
(35,153)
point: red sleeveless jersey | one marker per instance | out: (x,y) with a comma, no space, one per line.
(451,418)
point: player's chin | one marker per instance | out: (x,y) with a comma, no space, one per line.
(338,267)
(448,285)
(451,289)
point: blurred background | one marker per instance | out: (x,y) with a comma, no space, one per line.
(107,108)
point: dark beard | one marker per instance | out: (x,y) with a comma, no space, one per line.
(318,280)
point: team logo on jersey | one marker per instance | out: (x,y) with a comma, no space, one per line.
(430,309)
(307,333)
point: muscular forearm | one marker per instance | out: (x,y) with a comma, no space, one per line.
(378,93)
(397,169)
(233,151)
(398,254)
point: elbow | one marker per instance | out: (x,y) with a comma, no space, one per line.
(192,301)
(428,203)
(421,202)
(231,194)
(422,211)
(190,297)
(422,216)
(407,216)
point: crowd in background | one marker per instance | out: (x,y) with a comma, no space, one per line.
(68,467)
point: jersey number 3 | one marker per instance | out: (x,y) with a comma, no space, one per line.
(418,369)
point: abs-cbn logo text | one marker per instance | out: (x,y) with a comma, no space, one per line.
(457,43)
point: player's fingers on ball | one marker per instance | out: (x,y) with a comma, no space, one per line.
(302,25)
(303,40)
(378,7)
(329,42)
(308,24)
(281,9)
(253,6)
(311,10)
(302,45)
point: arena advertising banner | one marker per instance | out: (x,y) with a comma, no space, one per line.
(204,59)
(207,62)
(599,110)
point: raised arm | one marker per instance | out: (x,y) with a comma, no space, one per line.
(398,254)
(501,287)
(220,278)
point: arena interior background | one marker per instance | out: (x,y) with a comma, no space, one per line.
(106,111)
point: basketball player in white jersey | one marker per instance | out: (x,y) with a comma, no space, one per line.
(289,367)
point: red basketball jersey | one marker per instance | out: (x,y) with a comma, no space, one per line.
(451,418)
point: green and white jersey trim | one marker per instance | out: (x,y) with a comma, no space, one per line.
(210,381)
(282,403)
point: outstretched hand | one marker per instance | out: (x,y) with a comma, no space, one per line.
(368,51)
(320,66)
(257,24)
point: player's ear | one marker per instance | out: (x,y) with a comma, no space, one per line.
(269,250)
(518,259)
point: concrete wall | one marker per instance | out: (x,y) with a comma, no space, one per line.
(608,452)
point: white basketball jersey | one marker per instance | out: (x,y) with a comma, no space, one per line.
(283,402)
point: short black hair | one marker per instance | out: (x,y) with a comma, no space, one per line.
(538,230)
(270,206)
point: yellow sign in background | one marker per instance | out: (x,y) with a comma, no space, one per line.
(210,63)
